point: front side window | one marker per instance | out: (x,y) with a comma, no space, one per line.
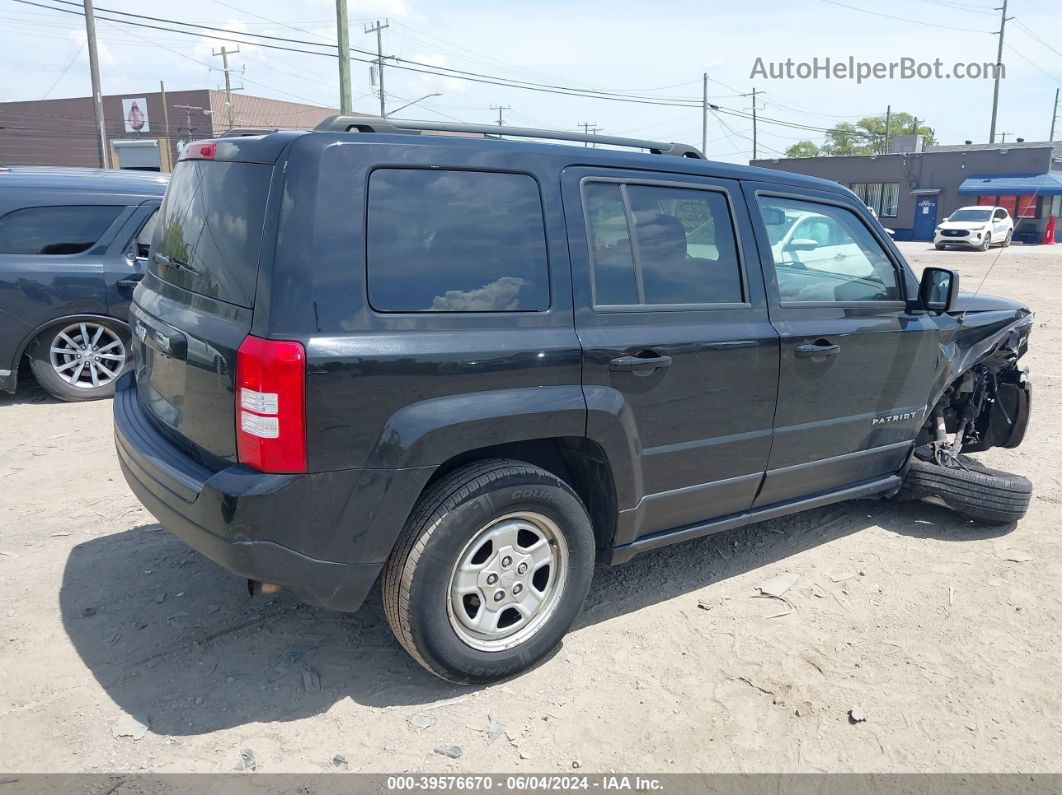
(826,254)
(455,241)
(661,245)
(55,230)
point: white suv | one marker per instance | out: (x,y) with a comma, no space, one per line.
(975,227)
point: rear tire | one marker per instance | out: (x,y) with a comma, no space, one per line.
(1007,240)
(489,572)
(987,496)
(81,360)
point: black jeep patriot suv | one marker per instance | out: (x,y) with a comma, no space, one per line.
(471,366)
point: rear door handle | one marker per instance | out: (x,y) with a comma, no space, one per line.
(638,364)
(818,350)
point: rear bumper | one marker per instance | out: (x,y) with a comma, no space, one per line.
(236,516)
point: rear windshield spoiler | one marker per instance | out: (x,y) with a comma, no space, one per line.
(263,148)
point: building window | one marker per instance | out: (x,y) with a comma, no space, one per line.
(881,197)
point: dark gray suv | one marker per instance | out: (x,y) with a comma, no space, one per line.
(73,243)
(469,368)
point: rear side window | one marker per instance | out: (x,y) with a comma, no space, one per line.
(660,245)
(209,233)
(455,241)
(55,230)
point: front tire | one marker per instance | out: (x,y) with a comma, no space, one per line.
(987,496)
(986,243)
(81,360)
(940,246)
(489,572)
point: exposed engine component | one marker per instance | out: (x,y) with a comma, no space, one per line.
(987,406)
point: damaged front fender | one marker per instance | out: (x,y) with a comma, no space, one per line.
(980,393)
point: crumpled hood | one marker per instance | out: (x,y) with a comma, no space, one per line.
(987,328)
(975,302)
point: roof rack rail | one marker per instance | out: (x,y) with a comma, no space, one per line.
(240,132)
(376,124)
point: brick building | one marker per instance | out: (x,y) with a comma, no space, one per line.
(62,132)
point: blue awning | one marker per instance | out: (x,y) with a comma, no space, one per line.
(1047,184)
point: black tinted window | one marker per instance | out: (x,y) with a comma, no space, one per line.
(684,251)
(614,279)
(455,241)
(209,233)
(55,230)
(685,246)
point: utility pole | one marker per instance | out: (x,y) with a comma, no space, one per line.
(343,36)
(999,67)
(587,126)
(228,83)
(378,29)
(500,109)
(94,74)
(166,126)
(704,113)
(888,124)
(1054,117)
(755,147)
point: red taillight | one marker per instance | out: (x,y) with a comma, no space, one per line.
(194,151)
(271,405)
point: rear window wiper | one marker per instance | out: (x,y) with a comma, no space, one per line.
(162,259)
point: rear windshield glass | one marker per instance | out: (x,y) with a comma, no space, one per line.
(209,233)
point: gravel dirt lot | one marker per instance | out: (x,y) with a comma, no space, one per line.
(944,635)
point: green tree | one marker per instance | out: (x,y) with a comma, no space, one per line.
(899,124)
(847,139)
(865,137)
(802,149)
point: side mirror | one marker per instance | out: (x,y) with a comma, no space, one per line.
(938,290)
(945,220)
(802,244)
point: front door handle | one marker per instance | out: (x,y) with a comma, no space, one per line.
(638,364)
(818,350)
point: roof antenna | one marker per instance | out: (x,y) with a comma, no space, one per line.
(1036,192)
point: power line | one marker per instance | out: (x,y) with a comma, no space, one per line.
(904,19)
(1025,29)
(421,68)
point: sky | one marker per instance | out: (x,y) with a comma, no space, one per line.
(657,50)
